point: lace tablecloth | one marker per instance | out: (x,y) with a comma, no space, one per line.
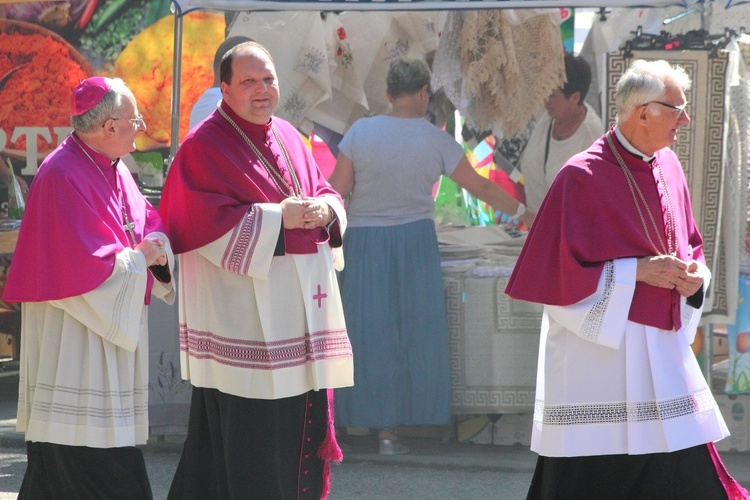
(493,338)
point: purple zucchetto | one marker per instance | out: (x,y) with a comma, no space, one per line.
(88,94)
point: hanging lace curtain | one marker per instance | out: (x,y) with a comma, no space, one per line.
(497,66)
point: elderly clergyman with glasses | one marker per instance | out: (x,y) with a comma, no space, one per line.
(91,253)
(622,409)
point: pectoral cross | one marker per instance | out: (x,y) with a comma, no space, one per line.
(128,226)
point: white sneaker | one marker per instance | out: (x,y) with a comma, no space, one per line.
(391,447)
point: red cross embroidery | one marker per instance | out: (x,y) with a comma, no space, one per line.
(319,296)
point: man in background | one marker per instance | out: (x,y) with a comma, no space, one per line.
(206,103)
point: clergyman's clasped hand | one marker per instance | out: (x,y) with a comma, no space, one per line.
(666,271)
(153,249)
(305,213)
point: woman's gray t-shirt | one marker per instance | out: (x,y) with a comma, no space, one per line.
(396,164)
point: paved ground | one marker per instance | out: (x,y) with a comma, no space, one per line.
(434,469)
(502,473)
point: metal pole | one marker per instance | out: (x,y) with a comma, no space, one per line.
(176,72)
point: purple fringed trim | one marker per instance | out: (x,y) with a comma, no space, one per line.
(326,480)
(329,449)
(734,490)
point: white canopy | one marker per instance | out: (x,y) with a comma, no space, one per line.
(184,6)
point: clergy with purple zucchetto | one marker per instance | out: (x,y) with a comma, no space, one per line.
(622,409)
(91,253)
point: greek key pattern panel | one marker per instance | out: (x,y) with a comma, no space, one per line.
(617,64)
(509,400)
(684,147)
(514,315)
(713,176)
(472,397)
(719,282)
(715,180)
(454,291)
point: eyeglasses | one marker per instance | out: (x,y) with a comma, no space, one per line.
(137,121)
(680,109)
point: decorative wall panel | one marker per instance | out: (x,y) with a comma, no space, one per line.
(494,343)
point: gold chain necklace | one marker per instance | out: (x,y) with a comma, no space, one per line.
(633,185)
(128,225)
(276,177)
(671,223)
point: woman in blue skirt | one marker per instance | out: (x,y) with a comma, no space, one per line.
(392,287)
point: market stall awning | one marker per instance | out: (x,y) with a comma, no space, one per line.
(184,6)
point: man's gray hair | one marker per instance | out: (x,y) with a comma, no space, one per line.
(107,107)
(407,77)
(646,81)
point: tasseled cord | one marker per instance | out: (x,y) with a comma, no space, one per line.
(329,449)
(734,490)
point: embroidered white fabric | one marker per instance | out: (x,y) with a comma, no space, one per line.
(496,73)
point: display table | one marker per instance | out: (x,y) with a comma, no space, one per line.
(10,314)
(8,235)
(494,339)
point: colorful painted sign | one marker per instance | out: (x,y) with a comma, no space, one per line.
(48,47)
(738,338)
